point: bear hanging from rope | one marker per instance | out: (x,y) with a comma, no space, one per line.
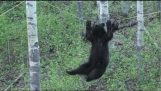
(99,54)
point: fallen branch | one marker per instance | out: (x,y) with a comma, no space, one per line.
(14,81)
(129,24)
(133,22)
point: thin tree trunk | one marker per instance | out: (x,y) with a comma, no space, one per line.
(103,11)
(159,8)
(103,17)
(80,10)
(125,8)
(141,28)
(33,46)
(140,39)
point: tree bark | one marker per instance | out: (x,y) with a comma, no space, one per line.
(125,8)
(80,10)
(103,11)
(33,46)
(159,8)
(140,40)
(140,27)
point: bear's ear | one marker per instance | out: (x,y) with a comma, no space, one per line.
(108,25)
(102,24)
(88,25)
(115,25)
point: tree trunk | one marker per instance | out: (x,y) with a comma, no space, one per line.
(159,8)
(141,28)
(103,11)
(140,40)
(80,10)
(125,8)
(103,17)
(33,46)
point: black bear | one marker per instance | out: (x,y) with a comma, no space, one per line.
(99,54)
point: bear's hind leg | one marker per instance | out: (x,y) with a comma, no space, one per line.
(83,69)
(95,74)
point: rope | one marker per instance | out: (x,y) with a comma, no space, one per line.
(143,15)
(66,11)
(11,8)
(73,14)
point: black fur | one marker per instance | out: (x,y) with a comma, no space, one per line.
(99,55)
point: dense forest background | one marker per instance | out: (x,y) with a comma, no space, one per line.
(62,47)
